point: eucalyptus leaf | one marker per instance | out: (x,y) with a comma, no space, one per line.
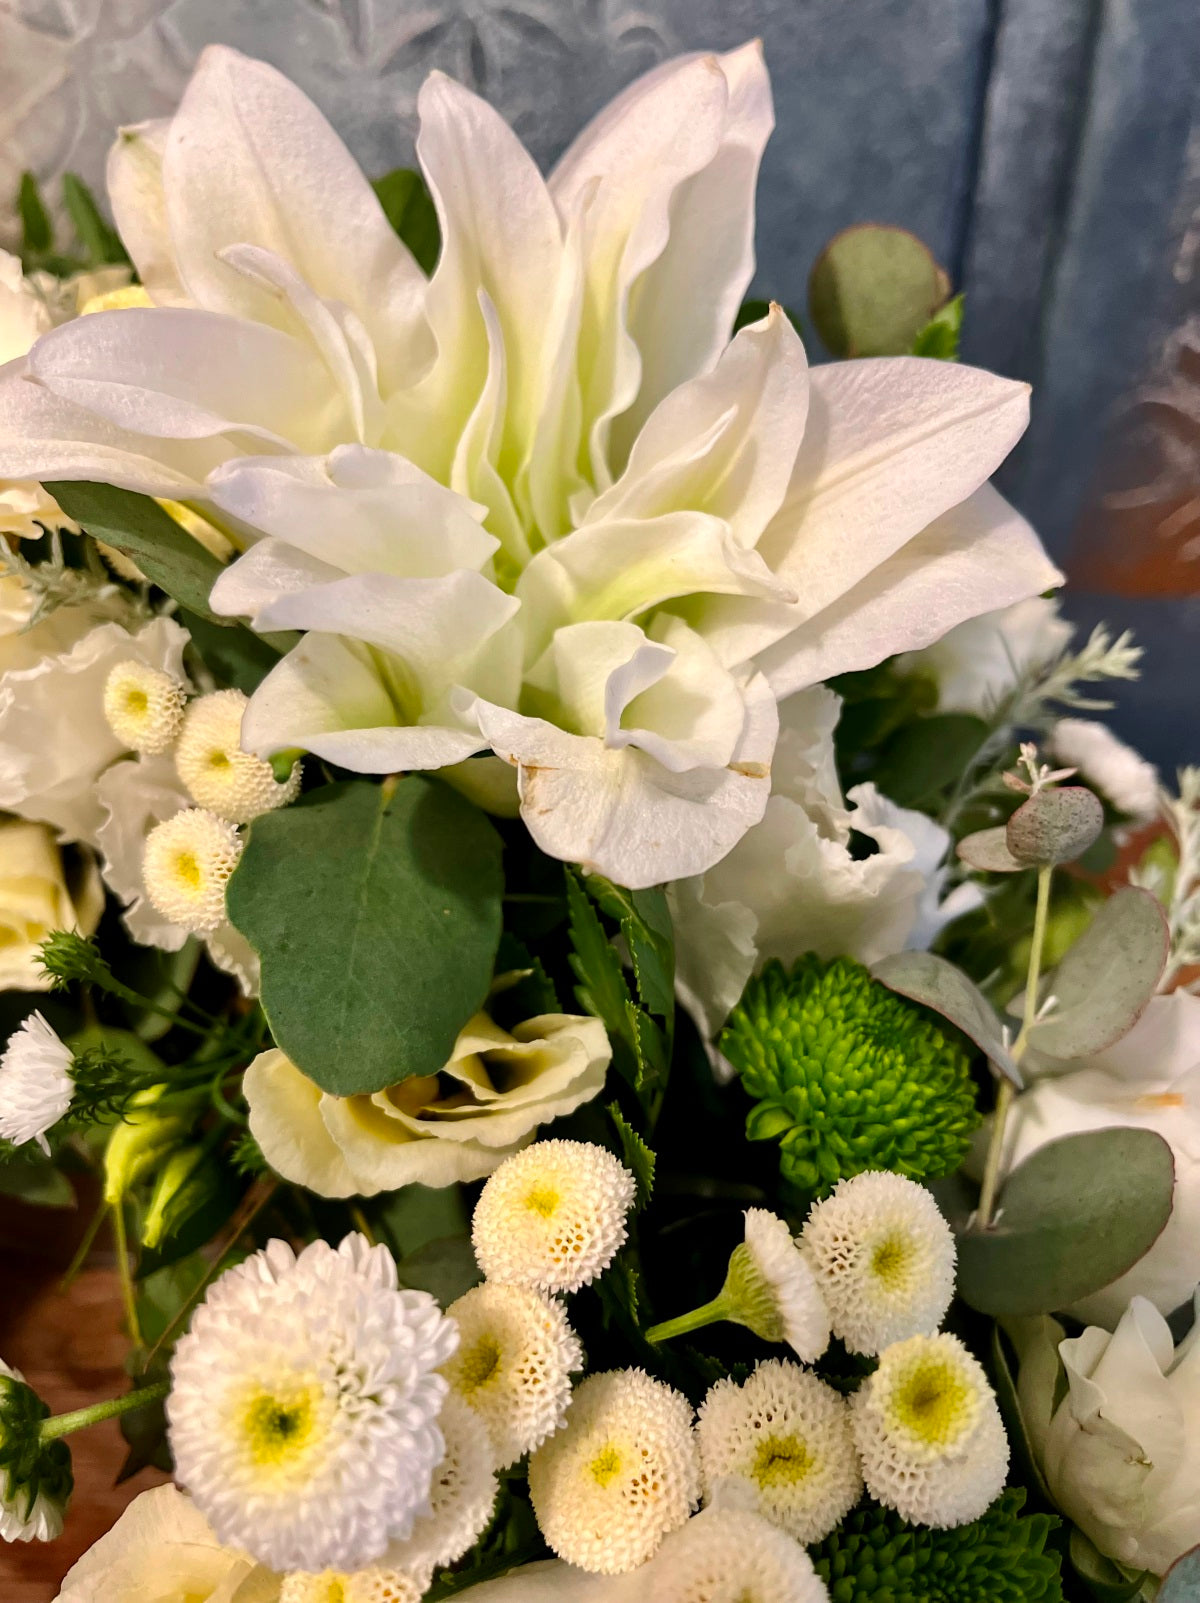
(375,911)
(924,977)
(988,851)
(1107,978)
(873,289)
(1181,1584)
(1106,1581)
(1054,826)
(1072,1218)
(445,1268)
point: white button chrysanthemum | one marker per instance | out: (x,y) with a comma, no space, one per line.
(373,1585)
(727,1556)
(553,1217)
(144,706)
(35,1083)
(783,1438)
(218,774)
(884,1258)
(32,1504)
(929,1433)
(515,1357)
(304,1405)
(623,1472)
(799,1314)
(461,1497)
(186,864)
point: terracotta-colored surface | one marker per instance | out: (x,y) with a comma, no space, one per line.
(71,1349)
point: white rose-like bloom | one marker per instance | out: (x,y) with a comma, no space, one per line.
(161,1547)
(218,774)
(884,1257)
(621,1474)
(36,1085)
(929,1433)
(187,862)
(976,664)
(782,1442)
(1108,765)
(731,1556)
(304,1400)
(433,1130)
(1150,1080)
(553,1217)
(792,884)
(1120,1450)
(514,1363)
(55,741)
(144,706)
(35,899)
(471,485)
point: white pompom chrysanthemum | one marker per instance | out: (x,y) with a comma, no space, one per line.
(727,1556)
(373,1585)
(553,1217)
(515,1357)
(800,1316)
(783,1438)
(623,1472)
(884,1258)
(929,1433)
(144,706)
(461,1497)
(35,1083)
(304,1404)
(218,774)
(186,864)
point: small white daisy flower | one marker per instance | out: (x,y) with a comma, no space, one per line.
(623,1471)
(35,1083)
(144,706)
(929,1433)
(516,1354)
(304,1404)
(461,1497)
(32,1506)
(783,1438)
(727,1556)
(884,1256)
(1121,775)
(218,774)
(553,1217)
(373,1585)
(186,864)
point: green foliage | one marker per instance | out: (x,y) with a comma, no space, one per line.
(924,759)
(29,1177)
(940,336)
(409,208)
(848,1076)
(375,910)
(1105,1581)
(37,231)
(96,243)
(1054,826)
(926,978)
(236,658)
(1071,1219)
(875,1557)
(636,1156)
(873,290)
(68,958)
(101,243)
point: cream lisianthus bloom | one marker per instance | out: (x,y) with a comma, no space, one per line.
(793,884)
(24,643)
(653,530)
(1120,1452)
(1150,1080)
(36,899)
(433,1129)
(24,317)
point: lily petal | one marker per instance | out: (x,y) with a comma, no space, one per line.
(135,193)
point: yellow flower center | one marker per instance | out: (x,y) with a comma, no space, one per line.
(136,701)
(782,1461)
(891,1261)
(218,759)
(606,1466)
(187,867)
(478,1364)
(542,1200)
(277,1428)
(933,1403)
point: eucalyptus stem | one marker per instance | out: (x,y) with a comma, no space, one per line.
(709,1313)
(96,1413)
(1007,1091)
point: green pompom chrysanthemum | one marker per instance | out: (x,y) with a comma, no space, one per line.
(874,1557)
(849,1076)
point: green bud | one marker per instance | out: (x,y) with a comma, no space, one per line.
(185,1182)
(35,1476)
(283,762)
(139,1144)
(67,957)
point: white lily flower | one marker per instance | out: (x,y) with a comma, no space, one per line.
(657,529)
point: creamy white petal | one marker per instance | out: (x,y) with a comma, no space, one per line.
(139,206)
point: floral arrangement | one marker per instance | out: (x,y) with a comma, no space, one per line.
(636,1039)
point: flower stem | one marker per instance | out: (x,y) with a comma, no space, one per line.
(1007,1091)
(63,1424)
(710,1313)
(128,1294)
(84,1247)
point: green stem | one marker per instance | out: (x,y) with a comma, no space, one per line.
(129,1296)
(115,987)
(710,1313)
(84,1247)
(1007,1091)
(95,1414)
(362,1225)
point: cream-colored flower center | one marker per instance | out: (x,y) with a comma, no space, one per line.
(478,1365)
(935,1403)
(782,1461)
(891,1262)
(606,1465)
(187,869)
(543,1200)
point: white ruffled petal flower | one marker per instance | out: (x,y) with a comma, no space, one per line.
(186,863)
(781,1443)
(218,774)
(36,1085)
(799,1310)
(144,706)
(553,1217)
(884,1256)
(304,1404)
(929,1433)
(621,1474)
(731,1556)
(515,1358)
(1125,779)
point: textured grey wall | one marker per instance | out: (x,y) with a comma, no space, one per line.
(1048,150)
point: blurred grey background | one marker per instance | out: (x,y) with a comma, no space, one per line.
(1047,150)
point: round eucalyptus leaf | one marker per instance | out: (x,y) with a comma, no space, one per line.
(1055,826)
(924,977)
(1072,1218)
(987,850)
(873,289)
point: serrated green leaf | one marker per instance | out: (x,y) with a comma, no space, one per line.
(620,1291)
(37,231)
(637,1156)
(409,208)
(645,920)
(375,911)
(940,337)
(602,989)
(101,243)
